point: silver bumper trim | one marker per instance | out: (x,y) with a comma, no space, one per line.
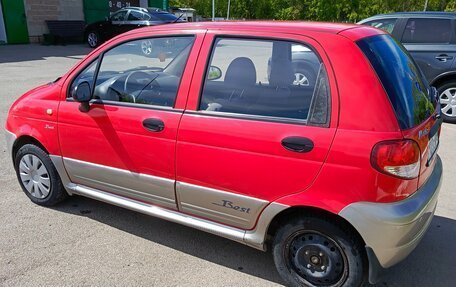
(10,139)
(393,230)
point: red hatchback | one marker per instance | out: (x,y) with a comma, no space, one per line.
(315,140)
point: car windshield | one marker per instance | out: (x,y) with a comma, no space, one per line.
(402,80)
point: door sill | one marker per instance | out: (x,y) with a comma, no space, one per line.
(228,232)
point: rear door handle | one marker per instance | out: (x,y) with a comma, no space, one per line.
(154,125)
(298,144)
(443,58)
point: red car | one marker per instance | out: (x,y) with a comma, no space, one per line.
(330,162)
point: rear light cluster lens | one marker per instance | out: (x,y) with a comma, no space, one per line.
(398,158)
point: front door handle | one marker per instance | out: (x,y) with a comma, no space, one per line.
(443,57)
(298,144)
(154,125)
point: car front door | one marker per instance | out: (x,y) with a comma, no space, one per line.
(117,23)
(125,143)
(251,133)
(430,42)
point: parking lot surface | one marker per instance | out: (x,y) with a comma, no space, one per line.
(85,242)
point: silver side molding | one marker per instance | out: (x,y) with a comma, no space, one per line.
(143,187)
(218,205)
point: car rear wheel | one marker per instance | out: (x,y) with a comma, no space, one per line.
(447,97)
(38,177)
(312,251)
(93,39)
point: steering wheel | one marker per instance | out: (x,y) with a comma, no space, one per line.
(137,77)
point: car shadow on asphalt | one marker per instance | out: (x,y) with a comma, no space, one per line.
(196,243)
(32,52)
(432,262)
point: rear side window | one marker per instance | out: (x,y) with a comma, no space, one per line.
(384,24)
(427,31)
(266,78)
(401,79)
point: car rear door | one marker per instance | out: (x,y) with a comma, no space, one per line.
(125,143)
(252,133)
(430,41)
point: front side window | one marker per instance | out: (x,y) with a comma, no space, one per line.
(427,31)
(136,16)
(266,78)
(146,71)
(384,24)
(119,16)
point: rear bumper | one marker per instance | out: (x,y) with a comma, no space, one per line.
(392,230)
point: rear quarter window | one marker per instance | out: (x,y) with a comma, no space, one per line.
(402,80)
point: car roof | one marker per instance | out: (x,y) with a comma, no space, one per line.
(421,14)
(270,26)
(147,10)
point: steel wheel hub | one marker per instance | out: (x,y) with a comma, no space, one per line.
(448,102)
(318,260)
(34,176)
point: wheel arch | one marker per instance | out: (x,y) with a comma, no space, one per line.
(26,139)
(443,78)
(280,219)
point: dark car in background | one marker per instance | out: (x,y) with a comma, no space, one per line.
(431,40)
(124,20)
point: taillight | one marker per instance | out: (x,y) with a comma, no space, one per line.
(399,158)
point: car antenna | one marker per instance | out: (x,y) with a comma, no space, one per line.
(178,18)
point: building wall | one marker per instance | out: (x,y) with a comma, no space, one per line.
(2,27)
(38,11)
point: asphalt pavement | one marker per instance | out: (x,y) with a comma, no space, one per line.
(85,242)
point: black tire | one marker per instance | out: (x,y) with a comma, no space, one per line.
(57,192)
(445,86)
(315,251)
(93,42)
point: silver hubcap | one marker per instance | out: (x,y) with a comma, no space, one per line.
(146,47)
(34,176)
(92,39)
(448,102)
(300,80)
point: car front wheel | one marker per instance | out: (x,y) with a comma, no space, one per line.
(37,176)
(314,251)
(447,97)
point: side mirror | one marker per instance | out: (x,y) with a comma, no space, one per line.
(214,73)
(82,94)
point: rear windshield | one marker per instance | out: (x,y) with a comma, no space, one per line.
(401,79)
(165,16)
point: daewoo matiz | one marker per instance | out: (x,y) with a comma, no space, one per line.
(317,141)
